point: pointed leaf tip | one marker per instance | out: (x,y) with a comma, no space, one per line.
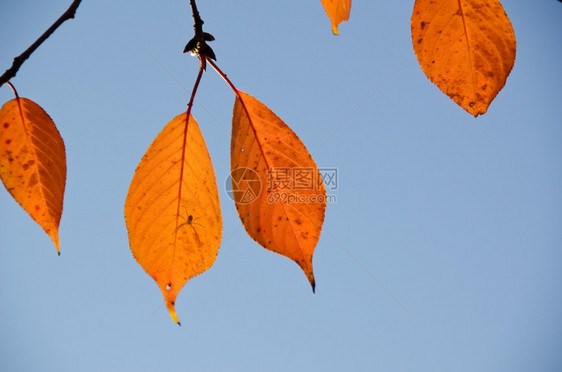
(33,162)
(276,185)
(338,11)
(313,284)
(172,311)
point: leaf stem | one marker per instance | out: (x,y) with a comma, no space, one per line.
(223,75)
(182,163)
(187,116)
(19,60)
(196,85)
(239,96)
(13,89)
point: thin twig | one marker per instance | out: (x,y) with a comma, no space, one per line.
(198,46)
(198,22)
(19,60)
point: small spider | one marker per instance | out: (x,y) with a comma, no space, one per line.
(190,220)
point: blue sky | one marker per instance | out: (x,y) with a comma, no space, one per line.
(458,218)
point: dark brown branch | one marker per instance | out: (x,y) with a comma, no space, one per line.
(19,60)
(197,21)
(197,46)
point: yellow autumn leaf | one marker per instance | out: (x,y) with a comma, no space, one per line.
(277,187)
(33,163)
(465,47)
(172,210)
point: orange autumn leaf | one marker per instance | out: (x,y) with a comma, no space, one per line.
(33,163)
(172,210)
(277,188)
(465,47)
(338,11)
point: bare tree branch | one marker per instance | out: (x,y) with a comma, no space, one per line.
(19,60)
(198,46)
